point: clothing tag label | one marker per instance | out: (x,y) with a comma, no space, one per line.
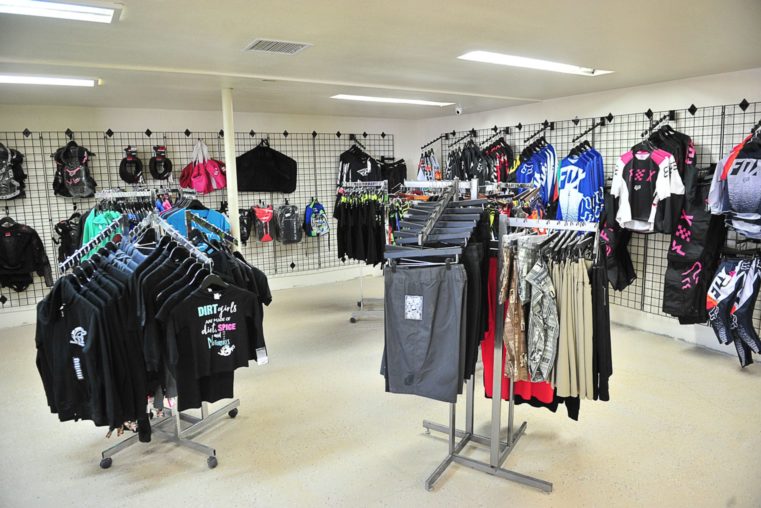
(261,356)
(217,296)
(413,307)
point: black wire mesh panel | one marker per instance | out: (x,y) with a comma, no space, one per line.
(316,154)
(31,210)
(714,131)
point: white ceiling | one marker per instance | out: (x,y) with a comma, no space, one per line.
(177,54)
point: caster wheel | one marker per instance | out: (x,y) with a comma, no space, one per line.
(211,462)
(233,412)
(352,320)
(106,462)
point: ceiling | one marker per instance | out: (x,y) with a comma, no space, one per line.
(178,54)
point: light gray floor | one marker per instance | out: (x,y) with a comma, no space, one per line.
(316,429)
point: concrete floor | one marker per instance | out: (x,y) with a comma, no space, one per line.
(316,429)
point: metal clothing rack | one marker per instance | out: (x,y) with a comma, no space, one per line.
(499,449)
(109,230)
(368,307)
(192,219)
(108,194)
(175,418)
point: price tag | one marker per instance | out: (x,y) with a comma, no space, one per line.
(261,356)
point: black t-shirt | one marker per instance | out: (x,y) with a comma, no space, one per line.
(218,326)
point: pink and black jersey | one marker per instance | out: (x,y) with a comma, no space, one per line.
(642,179)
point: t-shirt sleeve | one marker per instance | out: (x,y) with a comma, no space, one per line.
(618,178)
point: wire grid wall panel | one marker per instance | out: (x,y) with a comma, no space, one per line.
(714,130)
(316,155)
(31,210)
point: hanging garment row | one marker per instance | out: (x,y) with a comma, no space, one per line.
(494,163)
(148,319)
(361,214)
(22,254)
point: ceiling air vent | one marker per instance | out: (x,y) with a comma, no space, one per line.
(273,46)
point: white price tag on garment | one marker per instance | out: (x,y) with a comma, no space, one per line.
(261,356)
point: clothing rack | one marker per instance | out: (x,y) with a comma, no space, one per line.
(545,125)
(671,116)
(471,134)
(499,449)
(381,185)
(368,307)
(192,219)
(497,132)
(595,125)
(109,230)
(178,434)
(108,194)
(431,142)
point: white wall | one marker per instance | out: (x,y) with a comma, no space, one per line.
(713,90)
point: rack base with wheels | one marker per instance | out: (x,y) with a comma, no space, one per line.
(177,434)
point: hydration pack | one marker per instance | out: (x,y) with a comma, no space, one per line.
(288,224)
(316,221)
(68,236)
(263,216)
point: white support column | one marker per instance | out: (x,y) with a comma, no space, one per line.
(232,172)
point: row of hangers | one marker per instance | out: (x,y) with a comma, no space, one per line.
(534,147)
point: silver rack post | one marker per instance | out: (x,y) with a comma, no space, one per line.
(499,450)
(193,425)
(368,307)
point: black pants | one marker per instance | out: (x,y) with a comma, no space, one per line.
(471,259)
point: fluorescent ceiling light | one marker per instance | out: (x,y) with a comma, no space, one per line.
(15,79)
(389,100)
(530,63)
(97,13)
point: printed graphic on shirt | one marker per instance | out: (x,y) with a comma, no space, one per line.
(78,335)
(413,307)
(219,321)
(78,368)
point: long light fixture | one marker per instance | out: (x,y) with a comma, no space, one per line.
(390,100)
(95,12)
(17,79)
(530,63)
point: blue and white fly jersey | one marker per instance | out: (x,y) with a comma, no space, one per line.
(580,187)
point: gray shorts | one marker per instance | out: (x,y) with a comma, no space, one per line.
(425,331)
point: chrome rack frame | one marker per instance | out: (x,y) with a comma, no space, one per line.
(191,219)
(112,228)
(368,307)
(193,424)
(499,449)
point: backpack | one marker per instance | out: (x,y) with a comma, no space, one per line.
(246,224)
(263,217)
(315,219)
(68,236)
(131,167)
(73,178)
(12,177)
(159,166)
(203,173)
(288,227)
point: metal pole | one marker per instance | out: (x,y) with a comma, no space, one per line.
(496,391)
(232,171)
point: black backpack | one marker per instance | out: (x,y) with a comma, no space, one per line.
(68,236)
(131,167)
(288,225)
(12,177)
(72,177)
